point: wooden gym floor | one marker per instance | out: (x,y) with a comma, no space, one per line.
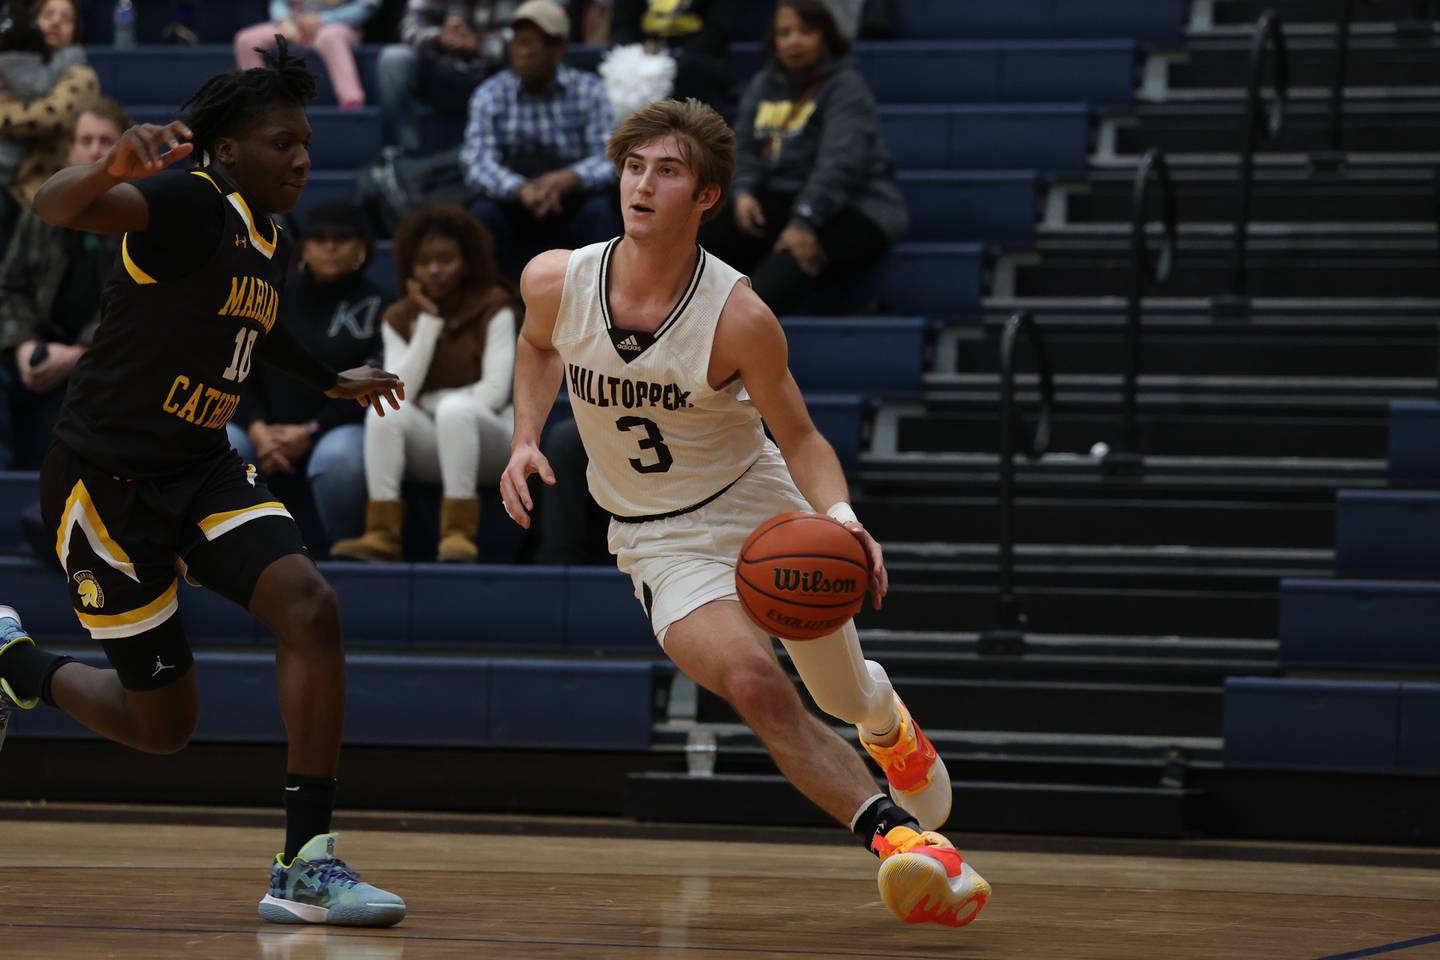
(84,883)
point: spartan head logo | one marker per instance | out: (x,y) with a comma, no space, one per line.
(89,590)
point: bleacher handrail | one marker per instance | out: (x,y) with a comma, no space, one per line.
(1007,636)
(1146,270)
(1269,35)
(1343,17)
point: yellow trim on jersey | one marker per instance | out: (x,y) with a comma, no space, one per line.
(202,173)
(218,524)
(131,267)
(80,509)
(266,247)
(114,625)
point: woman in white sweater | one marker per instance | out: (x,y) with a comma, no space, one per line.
(451,340)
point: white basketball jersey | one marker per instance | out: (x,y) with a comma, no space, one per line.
(660,440)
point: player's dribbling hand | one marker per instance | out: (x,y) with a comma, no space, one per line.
(367,387)
(141,150)
(879,579)
(525,460)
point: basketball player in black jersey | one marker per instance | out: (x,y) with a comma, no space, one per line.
(141,485)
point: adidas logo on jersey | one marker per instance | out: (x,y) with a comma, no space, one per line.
(629,343)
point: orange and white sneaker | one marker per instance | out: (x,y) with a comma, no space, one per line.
(923,879)
(917,776)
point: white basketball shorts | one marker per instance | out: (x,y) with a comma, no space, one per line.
(679,564)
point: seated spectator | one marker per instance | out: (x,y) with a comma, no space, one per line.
(696,33)
(333,28)
(59,22)
(448,49)
(312,448)
(50,283)
(452,343)
(44,84)
(535,145)
(814,193)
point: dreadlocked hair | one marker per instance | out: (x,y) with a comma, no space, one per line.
(228,101)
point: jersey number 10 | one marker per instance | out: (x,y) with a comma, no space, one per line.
(653,440)
(239,367)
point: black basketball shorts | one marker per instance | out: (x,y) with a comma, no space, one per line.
(124,543)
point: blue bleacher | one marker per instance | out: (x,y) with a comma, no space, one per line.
(1049,138)
(931,279)
(1411,451)
(979,104)
(1311,724)
(1101,72)
(1381,533)
(423,701)
(345,140)
(985,206)
(1359,624)
(1419,740)
(1157,22)
(823,351)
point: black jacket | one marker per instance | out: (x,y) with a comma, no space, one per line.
(827,152)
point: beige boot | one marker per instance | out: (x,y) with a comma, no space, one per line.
(381,541)
(459,522)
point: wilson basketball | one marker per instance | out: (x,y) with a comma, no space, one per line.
(801,576)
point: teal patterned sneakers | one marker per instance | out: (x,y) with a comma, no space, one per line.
(319,888)
(11,633)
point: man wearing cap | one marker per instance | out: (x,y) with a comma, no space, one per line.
(310,448)
(535,145)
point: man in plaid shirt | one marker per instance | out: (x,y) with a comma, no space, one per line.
(448,48)
(535,145)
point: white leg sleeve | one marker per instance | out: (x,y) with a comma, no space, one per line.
(843,683)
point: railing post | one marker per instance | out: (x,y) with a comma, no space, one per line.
(1008,636)
(1331,160)
(1268,33)
(1127,459)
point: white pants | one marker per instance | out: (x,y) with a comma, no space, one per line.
(462,445)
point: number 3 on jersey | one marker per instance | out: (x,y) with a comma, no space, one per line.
(653,440)
(239,367)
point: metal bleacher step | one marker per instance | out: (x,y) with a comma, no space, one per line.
(1275,268)
(1174,347)
(1279,196)
(1373,125)
(1376,59)
(1380,13)
(1275,517)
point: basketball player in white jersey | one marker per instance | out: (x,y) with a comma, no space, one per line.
(672,362)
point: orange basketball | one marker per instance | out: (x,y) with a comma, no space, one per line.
(801,576)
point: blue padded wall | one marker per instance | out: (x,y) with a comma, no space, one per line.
(1413,454)
(1311,724)
(1387,533)
(1359,623)
(1419,748)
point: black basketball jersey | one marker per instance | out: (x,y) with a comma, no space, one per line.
(176,341)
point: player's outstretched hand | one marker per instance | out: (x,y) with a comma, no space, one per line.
(368,386)
(141,150)
(879,579)
(525,461)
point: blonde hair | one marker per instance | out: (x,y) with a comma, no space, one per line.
(706,140)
